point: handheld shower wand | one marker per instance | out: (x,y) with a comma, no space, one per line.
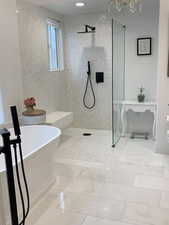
(89,69)
(17,131)
(89,82)
(15,121)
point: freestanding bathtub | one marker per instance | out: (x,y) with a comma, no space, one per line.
(39,144)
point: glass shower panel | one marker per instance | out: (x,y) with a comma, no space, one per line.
(118,89)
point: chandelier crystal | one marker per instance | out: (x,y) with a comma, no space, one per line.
(119,5)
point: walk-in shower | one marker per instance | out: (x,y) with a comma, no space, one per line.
(118,78)
(95,56)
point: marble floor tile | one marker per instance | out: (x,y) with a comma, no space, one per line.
(85,186)
(152,182)
(53,216)
(110,176)
(166,173)
(114,191)
(101,207)
(78,163)
(99,185)
(66,169)
(97,221)
(132,194)
(137,169)
(142,214)
(62,183)
(164,203)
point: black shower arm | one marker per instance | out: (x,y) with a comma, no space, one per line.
(89,27)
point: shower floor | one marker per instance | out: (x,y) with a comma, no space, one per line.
(99,185)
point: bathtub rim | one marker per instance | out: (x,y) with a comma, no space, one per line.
(25,156)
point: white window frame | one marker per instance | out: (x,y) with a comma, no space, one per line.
(59,46)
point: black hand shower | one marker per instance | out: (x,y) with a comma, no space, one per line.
(89,82)
(18,133)
(15,121)
(89,69)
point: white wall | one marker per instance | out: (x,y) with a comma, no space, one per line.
(10,70)
(141,70)
(47,87)
(162,145)
(96,48)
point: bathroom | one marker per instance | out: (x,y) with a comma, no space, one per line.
(93,154)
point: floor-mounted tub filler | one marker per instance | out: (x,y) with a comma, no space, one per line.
(39,144)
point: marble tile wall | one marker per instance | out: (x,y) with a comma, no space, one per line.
(96,48)
(47,87)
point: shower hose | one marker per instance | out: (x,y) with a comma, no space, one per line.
(25,212)
(89,83)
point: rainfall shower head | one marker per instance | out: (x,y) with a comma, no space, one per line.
(88,29)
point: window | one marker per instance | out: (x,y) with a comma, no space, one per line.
(55,46)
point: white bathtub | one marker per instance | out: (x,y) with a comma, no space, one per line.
(39,144)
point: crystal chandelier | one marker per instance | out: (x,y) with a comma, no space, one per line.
(133,5)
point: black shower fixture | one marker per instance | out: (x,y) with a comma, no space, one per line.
(88,29)
(89,84)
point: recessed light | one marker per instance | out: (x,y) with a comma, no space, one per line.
(80,4)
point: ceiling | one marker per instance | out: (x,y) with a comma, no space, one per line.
(67,7)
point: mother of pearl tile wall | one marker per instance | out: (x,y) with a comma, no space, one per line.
(98,49)
(47,87)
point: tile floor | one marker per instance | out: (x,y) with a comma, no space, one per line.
(98,185)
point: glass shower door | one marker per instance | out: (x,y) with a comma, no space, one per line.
(118,79)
